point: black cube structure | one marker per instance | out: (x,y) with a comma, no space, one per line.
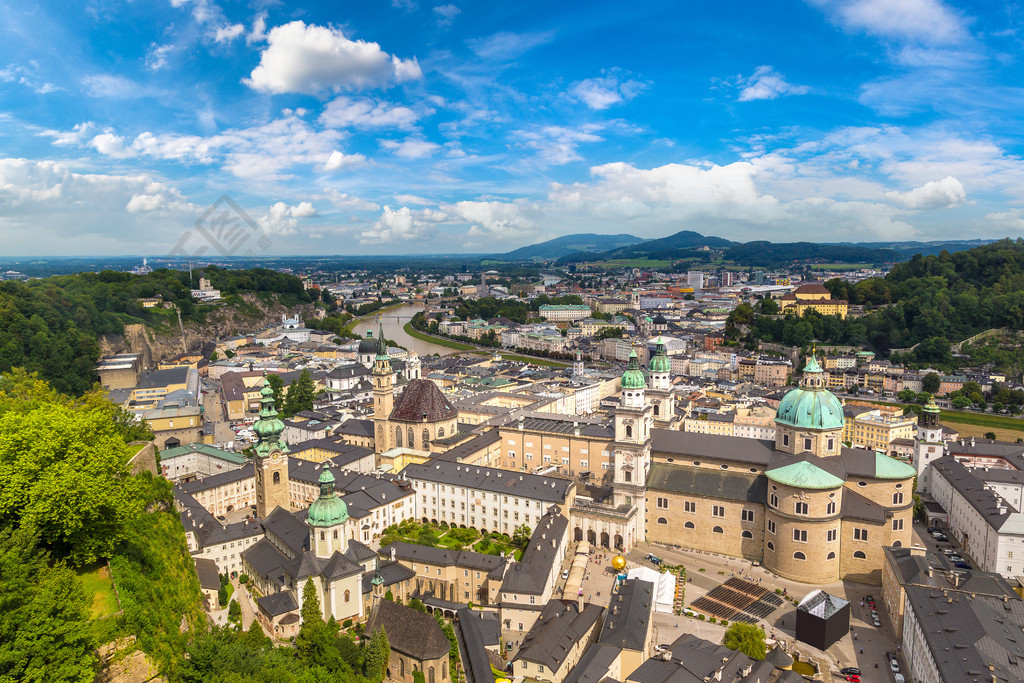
(822,619)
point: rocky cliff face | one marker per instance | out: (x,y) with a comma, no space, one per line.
(221,321)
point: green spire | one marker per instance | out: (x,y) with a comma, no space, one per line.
(660,362)
(382,346)
(268,428)
(812,365)
(633,377)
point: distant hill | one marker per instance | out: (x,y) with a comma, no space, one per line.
(770,255)
(570,244)
(681,244)
(906,250)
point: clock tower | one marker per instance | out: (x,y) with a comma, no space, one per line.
(383,395)
(271,459)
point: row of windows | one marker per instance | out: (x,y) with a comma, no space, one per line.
(798,555)
(715,530)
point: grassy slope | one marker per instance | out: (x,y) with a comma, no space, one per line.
(96,582)
(440,341)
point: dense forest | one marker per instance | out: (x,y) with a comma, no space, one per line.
(51,325)
(928,302)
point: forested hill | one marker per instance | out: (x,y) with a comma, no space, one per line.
(931,300)
(52,325)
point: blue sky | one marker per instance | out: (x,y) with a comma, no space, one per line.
(406,126)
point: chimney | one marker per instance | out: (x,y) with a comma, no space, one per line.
(579,602)
(392,554)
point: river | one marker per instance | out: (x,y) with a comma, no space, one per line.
(394,320)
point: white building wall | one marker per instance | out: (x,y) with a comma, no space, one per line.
(920,666)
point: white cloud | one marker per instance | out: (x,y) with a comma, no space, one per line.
(111,145)
(228,32)
(505,46)
(282,219)
(929,22)
(937,194)
(112,87)
(557,144)
(345,201)
(26,76)
(317,59)
(445,14)
(338,161)
(401,225)
(412,199)
(46,206)
(492,219)
(767,84)
(611,88)
(258,33)
(342,112)
(75,136)
(156,58)
(410,148)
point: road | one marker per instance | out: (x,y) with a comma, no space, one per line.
(213,411)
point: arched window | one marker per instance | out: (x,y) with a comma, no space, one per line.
(771,546)
(662,520)
(348,595)
(426,439)
(398,437)
(897,498)
(440,432)
(897,544)
(401,666)
(799,556)
(830,556)
(629,430)
(277,477)
(335,534)
(412,438)
(689,525)
(747,534)
(860,555)
(323,536)
(431,679)
(656,411)
(717,530)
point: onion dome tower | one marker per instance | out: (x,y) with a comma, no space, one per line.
(326,519)
(271,460)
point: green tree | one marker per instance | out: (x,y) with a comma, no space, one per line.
(64,474)
(768,306)
(931,383)
(747,638)
(300,395)
(277,386)
(44,623)
(990,435)
(378,652)
(315,642)
(235,612)
(418,605)
(222,594)
(213,357)
(521,537)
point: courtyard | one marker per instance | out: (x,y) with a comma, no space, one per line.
(455,538)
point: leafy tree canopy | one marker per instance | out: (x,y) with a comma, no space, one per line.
(747,638)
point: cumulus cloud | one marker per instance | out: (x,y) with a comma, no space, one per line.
(311,59)
(767,84)
(338,161)
(930,22)
(402,225)
(937,194)
(492,219)
(111,145)
(228,32)
(445,14)
(282,219)
(410,148)
(342,112)
(614,87)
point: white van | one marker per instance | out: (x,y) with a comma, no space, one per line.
(898,678)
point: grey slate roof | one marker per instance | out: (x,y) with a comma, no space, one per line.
(477,634)
(291,530)
(739,486)
(490,479)
(695,660)
(412,633)
(933,570)
(560,625)
(965,635)
(530,574)
(984,501)
(356,428)
(445,557)
(206,569)
(594,664)
(628,619)
(856,506)
(670,443)
(277,603)
(392,573)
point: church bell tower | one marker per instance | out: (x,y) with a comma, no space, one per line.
(271,459)
(383,395)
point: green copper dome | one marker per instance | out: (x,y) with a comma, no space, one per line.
(811,406)
(804,475)
(268,428)
(328,509)
(660,362)
(633,377)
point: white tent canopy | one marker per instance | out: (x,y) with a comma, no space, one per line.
(664,586)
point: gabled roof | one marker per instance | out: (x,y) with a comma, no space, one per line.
(422,401)
(560,626)
(410,632)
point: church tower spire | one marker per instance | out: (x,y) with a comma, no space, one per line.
(271,461)
(383,394)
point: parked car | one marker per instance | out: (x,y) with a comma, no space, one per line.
(850,670)
(949,551)
(869,598)
(941,538)
(853,678)
(955,558)
(565,574)
(876,622)
(963,565)
(894,665)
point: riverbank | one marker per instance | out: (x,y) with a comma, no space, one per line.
(370,316)
(440,341)
(480,350)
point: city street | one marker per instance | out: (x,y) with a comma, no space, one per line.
(213,411)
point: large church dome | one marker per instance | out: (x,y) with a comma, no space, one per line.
(811,405)
(328,510)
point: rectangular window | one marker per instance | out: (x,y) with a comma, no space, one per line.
(690,506)
(718,511)
(800,508)
(830,509)
(663,503)
(785,439)
(860,534)
(800,535)
(771,526)
(897,525)
(773,500)
(807,444)
(583,463)
(831,535)
(747,515)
